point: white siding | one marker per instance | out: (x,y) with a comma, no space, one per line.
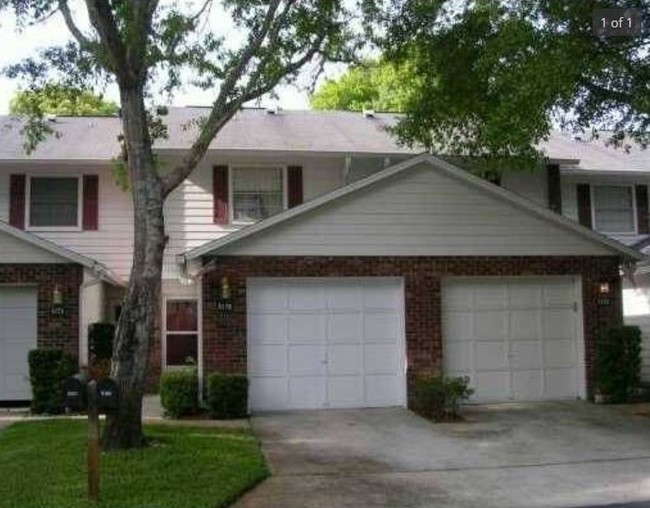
(419,212)
(636,309)
(13,250)
(528,184)
(112,243)
(91,310)
(189,209)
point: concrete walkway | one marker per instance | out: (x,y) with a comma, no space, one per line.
(551,455)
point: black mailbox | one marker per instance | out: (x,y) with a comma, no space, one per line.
(107,395)
(74,392)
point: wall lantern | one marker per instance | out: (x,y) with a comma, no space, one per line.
(57,309)
(224,303)
(604,290)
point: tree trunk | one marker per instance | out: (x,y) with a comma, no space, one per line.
(141,305)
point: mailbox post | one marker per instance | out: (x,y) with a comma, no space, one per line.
(95,397)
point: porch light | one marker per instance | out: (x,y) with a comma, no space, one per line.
(603,288)
(57,297)
(225,288)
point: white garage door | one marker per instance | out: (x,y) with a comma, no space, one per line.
(516,339)
(326,343)
(17,337)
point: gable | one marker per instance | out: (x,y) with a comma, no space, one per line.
(419,212)
(14,250)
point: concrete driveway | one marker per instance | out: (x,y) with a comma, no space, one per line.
(552,455)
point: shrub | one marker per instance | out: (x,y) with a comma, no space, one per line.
(618,362)
(48,368)
(179,392)
(228,396)
(438,397)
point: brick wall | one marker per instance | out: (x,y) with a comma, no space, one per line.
(53,332)
(224,338)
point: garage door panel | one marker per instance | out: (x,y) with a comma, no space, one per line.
(459,325)
(527,384)
(491,385)
(490,324)
(268,328)
(383,390)
(308,327)
(491,355)
(344,391)
(307,360)
(306,297)
(344,297)
(376,298)
(524,324)
(268,393)
(525,355)
(307,392)
(381,326)
(380,358)
(267,298)
(518,339)
(458,356)
(268,360)
(345,327)
(344,359)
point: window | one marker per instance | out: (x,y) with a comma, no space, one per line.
(613,209)
(182,333)
(257,193)
(53,202)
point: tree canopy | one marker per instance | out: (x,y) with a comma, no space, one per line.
(495,76)
(373,84)
(60,100)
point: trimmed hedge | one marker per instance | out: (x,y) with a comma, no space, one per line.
(179,392)
(618,362)
(438,397)
(48,368)
(228,396)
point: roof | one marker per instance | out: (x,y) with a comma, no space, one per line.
(100,269)
(335,132)
(436,164)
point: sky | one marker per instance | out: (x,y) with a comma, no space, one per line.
(16,45)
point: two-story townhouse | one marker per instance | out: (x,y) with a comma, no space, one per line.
(311,252)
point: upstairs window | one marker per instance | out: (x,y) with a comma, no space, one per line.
(257,193)
(613,207)
(53,202)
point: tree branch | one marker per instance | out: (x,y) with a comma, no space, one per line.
(83,41)
(101,17)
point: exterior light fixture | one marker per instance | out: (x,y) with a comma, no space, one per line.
(224,303)
(225,288)
(603,288)
(604,293)
(57,309)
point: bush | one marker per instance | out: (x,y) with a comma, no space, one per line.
(438,397)
(618,362)
(48,368)
(179,392)
(228,396)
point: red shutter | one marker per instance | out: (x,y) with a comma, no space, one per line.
(642,209)
(220,194)
(294,176)
(17,201)
(90,202)
(583,194)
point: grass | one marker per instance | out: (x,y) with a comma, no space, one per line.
(42,465)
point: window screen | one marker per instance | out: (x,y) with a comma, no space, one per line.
(614,209)
(53,202)
(257,193)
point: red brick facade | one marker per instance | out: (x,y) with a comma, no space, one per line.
(224,338)
(53,332)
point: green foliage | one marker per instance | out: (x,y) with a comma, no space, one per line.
(42,466)
(48,368)
(494,75)
(376,85)
(60,100)
(618,362)
(179,392)
(100,340)
(228,396)
(438,397)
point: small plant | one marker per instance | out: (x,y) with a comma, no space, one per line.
(618,363)
(48,368)
(438,397)
(179,392)
(228,396)
(100,349)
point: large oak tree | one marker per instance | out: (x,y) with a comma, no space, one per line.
(137,43)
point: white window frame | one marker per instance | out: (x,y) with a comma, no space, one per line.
(28,202)
(231,201)
(198,332)
(634,231)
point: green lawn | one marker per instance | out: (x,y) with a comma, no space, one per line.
(42,465)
